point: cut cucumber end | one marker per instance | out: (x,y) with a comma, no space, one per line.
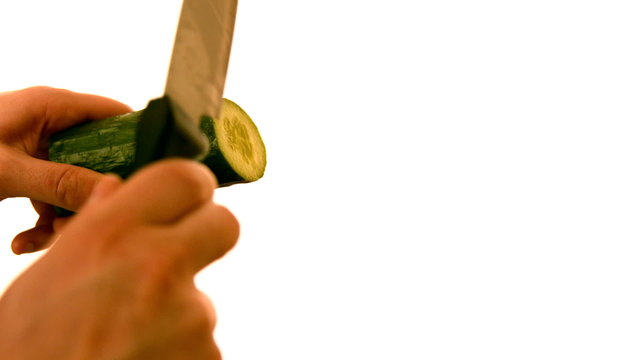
(240,142)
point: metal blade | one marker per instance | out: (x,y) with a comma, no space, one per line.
(200,58)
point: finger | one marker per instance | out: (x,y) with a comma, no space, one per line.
(35,239)
(164,192)
(204,236)
(107,186)
(42,235)
(39,237)
(60,223)
(209,309)
(58,109)
(62,185)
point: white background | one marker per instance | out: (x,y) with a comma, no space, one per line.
(447,179)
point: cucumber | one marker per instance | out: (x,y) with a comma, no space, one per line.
(236,151)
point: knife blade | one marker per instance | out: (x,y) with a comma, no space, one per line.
(195,83)
(200,58)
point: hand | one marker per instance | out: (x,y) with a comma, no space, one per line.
(118,283)
(27,119)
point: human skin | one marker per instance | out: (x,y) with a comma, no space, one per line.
(118,282)
(27,118)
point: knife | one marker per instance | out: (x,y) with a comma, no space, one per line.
(169,126)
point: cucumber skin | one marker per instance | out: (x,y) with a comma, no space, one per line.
(109,145)
(106,146)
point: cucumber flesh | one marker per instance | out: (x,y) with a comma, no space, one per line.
(237,152)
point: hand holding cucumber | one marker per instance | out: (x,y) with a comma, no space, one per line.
(27,119)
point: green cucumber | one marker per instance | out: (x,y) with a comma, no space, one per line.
(236,151)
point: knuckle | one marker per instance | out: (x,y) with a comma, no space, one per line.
(231,231)
(37,90)
(40,92)
(41,98)
(199,323)
(219,233)
(201,318)
(66,185)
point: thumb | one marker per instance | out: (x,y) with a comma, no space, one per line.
(62,185)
